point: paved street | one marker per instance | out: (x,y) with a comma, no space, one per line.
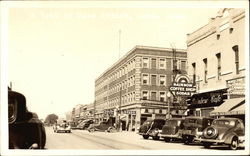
(82,139)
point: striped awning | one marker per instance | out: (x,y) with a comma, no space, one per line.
(227,106)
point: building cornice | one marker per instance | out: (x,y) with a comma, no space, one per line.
(132,52)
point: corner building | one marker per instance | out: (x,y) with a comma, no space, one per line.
(135,88)
(216,59)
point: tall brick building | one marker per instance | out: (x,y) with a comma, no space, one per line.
(135,88)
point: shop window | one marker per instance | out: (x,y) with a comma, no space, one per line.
(183,65)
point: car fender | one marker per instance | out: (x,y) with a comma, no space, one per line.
(228,137)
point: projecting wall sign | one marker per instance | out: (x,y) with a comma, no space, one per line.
(182,86)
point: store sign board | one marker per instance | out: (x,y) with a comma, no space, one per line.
(182,86)
(236,87)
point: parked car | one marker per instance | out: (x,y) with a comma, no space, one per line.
(102,127)
(228,131)
(172,130)
(151,128)
(62,126)
(193,127)
(26,131)
(84,124)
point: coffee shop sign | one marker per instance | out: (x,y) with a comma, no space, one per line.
(182,86)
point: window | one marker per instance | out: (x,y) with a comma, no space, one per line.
(153,79)
(236,52)
(205,70)
(145,63)
(144,79)
(162,64)
(218,65)
(145,95)
(153,63)
(183,65)
(153,96)
(194,72)
(162,96)
(162,80)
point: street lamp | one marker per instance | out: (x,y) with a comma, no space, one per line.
(168,95)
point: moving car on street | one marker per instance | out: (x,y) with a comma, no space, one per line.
(151,128)
(62,126)
(228,131)
(172,130)
(26,131)
(194,126)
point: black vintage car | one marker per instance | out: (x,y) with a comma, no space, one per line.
(84,124)
(194,126)
(228,131)
(172,130)
(26,131)
(151,128)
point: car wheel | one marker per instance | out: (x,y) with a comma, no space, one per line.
(156,137)
(145,136)
(167,139)
(206,144)
(234,144)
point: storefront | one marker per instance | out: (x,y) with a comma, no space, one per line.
(201,104)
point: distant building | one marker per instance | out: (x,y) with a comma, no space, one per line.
(68,115)
(134,88)
(216,59)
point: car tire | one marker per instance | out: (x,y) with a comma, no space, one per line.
(234,143)
(167,139)
(156,137)
(145,136)
(206,144)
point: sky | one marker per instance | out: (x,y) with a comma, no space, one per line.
(56,51)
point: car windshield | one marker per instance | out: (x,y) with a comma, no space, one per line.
(223,123)
(171,122)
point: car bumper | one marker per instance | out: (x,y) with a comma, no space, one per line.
(170,136)
(209,140)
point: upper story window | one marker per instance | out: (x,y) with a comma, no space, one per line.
(205,70)
(236,54)
(162,80)
(145,79)
(153,96)
(153,80)
(153,63)
(145,63)
(218,65)
(162,96)
(194,72)
(183,65)
(162,64)
(145,95)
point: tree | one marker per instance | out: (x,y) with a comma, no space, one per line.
(51,119)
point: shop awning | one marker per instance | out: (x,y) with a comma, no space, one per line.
(240,110)
(227,106)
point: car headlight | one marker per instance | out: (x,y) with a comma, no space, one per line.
(12,111)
